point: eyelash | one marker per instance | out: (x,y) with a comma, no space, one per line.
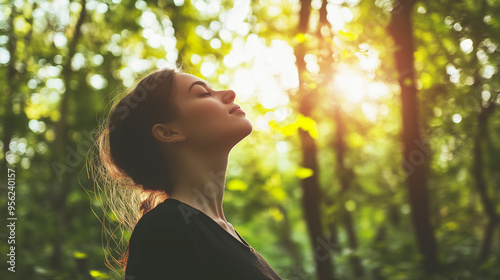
(206,93)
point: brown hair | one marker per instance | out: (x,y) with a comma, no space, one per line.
(128,163)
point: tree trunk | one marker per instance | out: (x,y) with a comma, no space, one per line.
(61,187)
(480,143)
(82,269)
(481,186)
(346,178)
(11,78)
(286,239)
(400,28)
(311,199)
(379,238)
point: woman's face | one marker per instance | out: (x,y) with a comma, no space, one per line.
(205,114)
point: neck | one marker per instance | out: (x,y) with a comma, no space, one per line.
(200,181)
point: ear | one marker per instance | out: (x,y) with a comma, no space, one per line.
(167,133)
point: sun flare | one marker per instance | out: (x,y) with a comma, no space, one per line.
(350,84)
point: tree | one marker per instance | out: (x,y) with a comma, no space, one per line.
(311,200)
(400,28)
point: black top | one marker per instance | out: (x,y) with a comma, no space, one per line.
(176,241)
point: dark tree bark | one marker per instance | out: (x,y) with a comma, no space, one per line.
(82,269)
(481,185)
(12,78)
(481,139)
(401,30)
(286,240)
(61,187)
(346,176)
(379,238)
(311,198)
(325,68)
(311,201)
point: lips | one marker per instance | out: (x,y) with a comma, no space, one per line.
(236,107)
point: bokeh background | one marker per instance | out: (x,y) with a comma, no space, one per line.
(376,145)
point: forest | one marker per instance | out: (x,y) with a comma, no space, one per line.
(375,150)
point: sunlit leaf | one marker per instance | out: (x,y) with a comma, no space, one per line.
(303,172)
(276,214)
(99,275)
(79,255)
(309,125)
(300,37)
(348,35)
(237,185)
(355,140)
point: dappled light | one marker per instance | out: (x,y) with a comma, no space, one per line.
(375,143)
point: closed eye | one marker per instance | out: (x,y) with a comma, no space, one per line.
(208,93)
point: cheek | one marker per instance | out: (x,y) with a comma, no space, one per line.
(203,115)
(208,123)
(204,110)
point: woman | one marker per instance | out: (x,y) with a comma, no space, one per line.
(171,137)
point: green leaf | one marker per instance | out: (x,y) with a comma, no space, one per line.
(79,255)
(237,185)
(309,125)
(303,172)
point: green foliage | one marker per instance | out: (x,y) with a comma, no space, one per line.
(56,83)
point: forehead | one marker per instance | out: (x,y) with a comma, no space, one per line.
(183,81)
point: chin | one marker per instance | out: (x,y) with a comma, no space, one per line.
(242,132)
(226,136)
(249,129)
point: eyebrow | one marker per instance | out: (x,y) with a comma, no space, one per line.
(198,83)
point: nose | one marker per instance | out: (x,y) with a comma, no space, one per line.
(229,96)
